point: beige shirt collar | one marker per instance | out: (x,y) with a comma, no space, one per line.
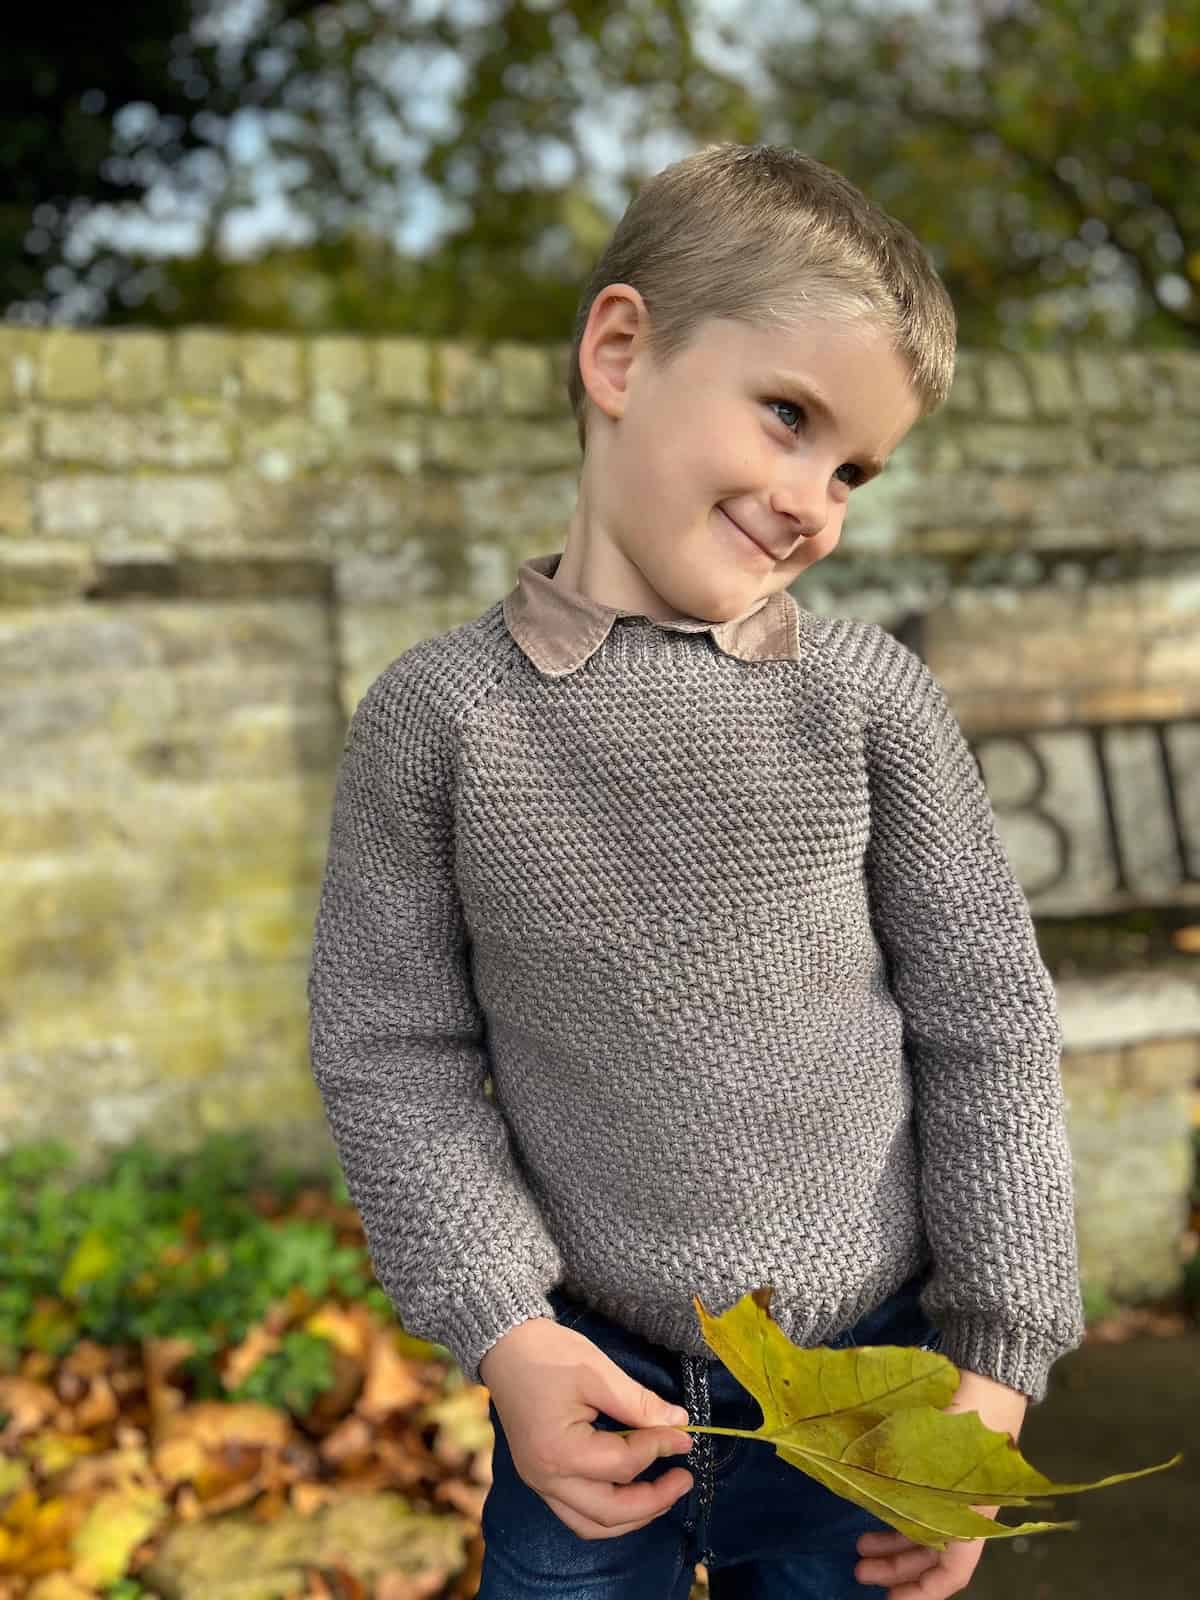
(558,628)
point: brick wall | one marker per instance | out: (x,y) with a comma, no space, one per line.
(211,542)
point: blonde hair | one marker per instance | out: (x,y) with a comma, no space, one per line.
(765,234)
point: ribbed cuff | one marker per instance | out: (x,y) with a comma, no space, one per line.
(1014,1356)
(470,1327)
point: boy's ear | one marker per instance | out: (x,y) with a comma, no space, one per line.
(613,336)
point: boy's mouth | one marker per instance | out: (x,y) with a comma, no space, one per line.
(766,554)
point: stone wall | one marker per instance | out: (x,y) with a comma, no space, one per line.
(210,543)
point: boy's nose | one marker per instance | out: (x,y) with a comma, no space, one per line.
(803,516)
(801,501)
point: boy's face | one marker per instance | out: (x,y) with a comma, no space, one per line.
(719,436)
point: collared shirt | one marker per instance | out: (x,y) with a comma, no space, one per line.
(559,628)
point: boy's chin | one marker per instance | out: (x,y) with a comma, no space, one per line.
(720,599)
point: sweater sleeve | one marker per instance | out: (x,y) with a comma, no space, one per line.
(397,1041)
(983,1039)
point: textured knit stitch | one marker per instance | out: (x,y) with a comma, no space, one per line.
(760,996)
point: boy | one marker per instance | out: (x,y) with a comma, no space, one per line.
(711,885)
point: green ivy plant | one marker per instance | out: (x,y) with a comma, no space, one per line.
(162,1244)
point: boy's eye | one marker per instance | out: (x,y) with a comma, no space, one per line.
(787,406)
(857,475)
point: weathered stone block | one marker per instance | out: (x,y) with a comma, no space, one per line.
(334,513)
(261,744)
(34,574)
(518,506)
(206,362)
(1179,497)
(340,363)
(167,508)
(137,367)
(16,441)
(488,444)
(1172,658)
(525,379)
(403,372)
(1140,393)
(965,390)
(1107,704)
(272,642)
(1005,387)
(45,1064)
(19,355)
(393,442)
(1180,369)
(53,822)
(1099,384)
(74,916)
(16,506)
(170,438)
(1013,447)
(1128,1115)
(272,368)
(1164,442)
(280,449)
(1052,383)
(1069,657)
(934,450)
(72,366)
(264,1083)
(466,379)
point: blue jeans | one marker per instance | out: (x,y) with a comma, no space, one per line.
(764,1529)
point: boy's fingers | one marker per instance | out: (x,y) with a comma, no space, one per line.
(619,1458)
(900,1568)
(879,1543)
(604,1492)
(606,1510)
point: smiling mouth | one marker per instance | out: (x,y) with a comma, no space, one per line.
(745,535)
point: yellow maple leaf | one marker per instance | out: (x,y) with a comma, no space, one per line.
(867,1423)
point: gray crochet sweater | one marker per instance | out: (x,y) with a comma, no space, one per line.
(758,990)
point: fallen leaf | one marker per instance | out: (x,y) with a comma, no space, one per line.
(243,1358)
(54,1452)
(393,1384)
(34,1533)
(349,1328)
(115,1525)
(28,1404)
(60,1586)
(349,1443)
(98,1403)
(190,1441)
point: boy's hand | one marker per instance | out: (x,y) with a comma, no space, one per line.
(914,1571)
(547,1383)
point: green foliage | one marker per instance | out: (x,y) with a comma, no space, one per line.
(1044,153)
(293,1376)
(168,1245)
